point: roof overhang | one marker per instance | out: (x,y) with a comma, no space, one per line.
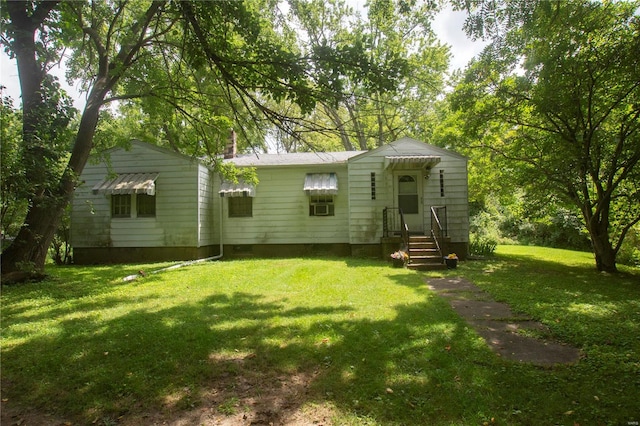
(239,189)
(410,162)
(321,184)
(129,183)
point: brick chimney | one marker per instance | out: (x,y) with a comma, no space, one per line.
(232,147)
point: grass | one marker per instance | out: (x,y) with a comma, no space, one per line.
(370,343)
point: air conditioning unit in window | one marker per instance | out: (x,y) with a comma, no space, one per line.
(321,209)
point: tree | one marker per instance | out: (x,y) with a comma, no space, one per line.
(557,95)
(368,111)
(192,56)
(13,205)
(34,35)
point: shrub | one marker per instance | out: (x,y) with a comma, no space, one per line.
(482,245)
(629,253)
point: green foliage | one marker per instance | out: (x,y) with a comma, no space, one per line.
(629,253)
(555,95)
(393,90)
(482,245)
(60,250)
(14,206)
(562,229)
(511,221)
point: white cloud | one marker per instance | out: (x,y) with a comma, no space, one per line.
(448,27)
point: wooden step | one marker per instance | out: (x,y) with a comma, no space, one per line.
(424,254)
(429,266)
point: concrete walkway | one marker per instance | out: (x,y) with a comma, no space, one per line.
(499,326)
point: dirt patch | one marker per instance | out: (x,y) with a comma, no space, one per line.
(242,398)
(500,327)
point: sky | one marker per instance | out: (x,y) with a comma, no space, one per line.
(447,25)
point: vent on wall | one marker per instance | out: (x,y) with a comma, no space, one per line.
(373,185)
(321,209)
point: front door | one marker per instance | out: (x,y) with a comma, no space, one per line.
(408,187)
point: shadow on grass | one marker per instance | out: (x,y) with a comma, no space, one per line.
(425,366)
(577,302)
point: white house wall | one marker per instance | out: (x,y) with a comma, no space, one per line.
(207,202)
(366,214)
(281,210)
(455,197)
(176,221)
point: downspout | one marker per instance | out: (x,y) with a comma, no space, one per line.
(188,263)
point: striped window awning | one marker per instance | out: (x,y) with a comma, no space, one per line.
(408,162)
(129,183)
(240,189)
(321,184)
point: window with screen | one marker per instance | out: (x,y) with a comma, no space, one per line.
(321,205)
(240,206)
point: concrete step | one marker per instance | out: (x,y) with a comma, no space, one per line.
(428,266)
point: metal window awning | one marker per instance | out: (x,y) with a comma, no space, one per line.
(410,162)
(129,183)
(321,184)
(240,189)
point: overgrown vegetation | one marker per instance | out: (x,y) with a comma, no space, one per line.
(368,343)
(510,220)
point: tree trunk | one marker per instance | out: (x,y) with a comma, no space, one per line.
(337,121)
(604,252)
(362,140)
(598,227)
(29,249)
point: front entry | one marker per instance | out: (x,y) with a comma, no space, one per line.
(408,189)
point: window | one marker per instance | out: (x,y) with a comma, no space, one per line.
(373,185)
(120,205)
(321,205)
(240,206)
(408,194)
(146,205)
(442,183)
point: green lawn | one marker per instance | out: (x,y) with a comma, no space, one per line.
(360,340)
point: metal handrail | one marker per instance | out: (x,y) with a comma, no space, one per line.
(390,224)
(437,232)
(404,232)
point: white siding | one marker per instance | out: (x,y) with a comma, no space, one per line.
(176,221)
(206,207)
(366,214)
(281,210)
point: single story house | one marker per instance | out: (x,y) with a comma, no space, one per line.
(149,203)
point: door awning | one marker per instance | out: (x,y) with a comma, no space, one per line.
(240,189)
(321,184)
(410,162)
(129,183)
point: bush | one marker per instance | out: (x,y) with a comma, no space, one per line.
(60,250)
(562,229)
(482,245)
(629,253)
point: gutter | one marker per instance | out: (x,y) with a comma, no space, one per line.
(187,263)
